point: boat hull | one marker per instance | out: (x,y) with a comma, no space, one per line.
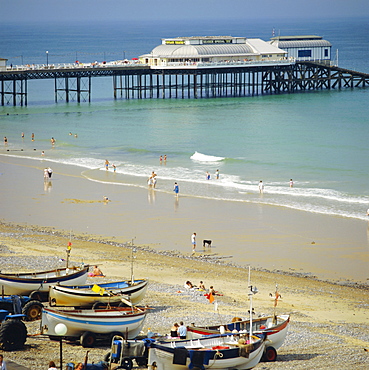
(26,283)
(84,296)
(105,322)
(275,332)
(203,350)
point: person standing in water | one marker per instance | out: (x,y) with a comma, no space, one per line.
(261,187)
(193,242)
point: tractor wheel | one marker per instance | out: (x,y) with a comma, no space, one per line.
(126,363)
(88,339)
(32,310)
(270,354)
(13,335)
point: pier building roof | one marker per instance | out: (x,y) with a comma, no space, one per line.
(213,48)
(196,50)
(299,41)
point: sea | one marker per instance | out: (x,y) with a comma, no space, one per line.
(319,139)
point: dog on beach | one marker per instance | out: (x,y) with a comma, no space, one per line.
(208,242)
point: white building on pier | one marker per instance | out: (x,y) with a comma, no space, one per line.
(303,48)
(211,50)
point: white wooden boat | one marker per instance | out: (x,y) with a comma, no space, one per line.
(28,282)
(99,295)
(275,328)
(88,324)
(232,351)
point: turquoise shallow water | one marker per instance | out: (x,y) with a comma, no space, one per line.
(319,139)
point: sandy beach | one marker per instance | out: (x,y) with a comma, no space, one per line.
(296,250)
(266,237)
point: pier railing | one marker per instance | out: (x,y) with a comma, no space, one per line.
(180,80)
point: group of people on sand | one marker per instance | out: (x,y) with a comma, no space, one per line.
(178,331)
(201,288)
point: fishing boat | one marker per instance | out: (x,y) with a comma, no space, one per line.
(233,351)
(87,325)
(275,328)
(100,295)
(36,283)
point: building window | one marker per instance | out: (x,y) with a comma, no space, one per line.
(326,53)
(304,53)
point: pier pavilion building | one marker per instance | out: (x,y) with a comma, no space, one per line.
(211,50)
(304,48)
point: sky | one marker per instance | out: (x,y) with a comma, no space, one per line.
(130,10)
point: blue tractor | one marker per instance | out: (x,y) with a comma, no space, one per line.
(13,331)
(30,308)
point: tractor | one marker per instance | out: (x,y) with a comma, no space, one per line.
(13,331)
(30,308)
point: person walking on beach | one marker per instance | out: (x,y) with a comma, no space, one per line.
(5,140)
(176,189)
(217,174)
(207,175)
(2,363)
(50,172)
(261,187)
(193,242)
(291,183)
(106,164)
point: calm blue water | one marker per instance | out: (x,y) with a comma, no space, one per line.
(319,139)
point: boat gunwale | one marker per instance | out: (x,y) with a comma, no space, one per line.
(26,278)
(79,314)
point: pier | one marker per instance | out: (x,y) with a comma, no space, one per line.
(179,81)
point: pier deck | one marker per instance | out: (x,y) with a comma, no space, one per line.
(195,80)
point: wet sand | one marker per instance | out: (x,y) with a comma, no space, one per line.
(265,237)
(329,322)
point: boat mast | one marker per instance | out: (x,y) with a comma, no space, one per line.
(69,247)
(252,291)
(132,258)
